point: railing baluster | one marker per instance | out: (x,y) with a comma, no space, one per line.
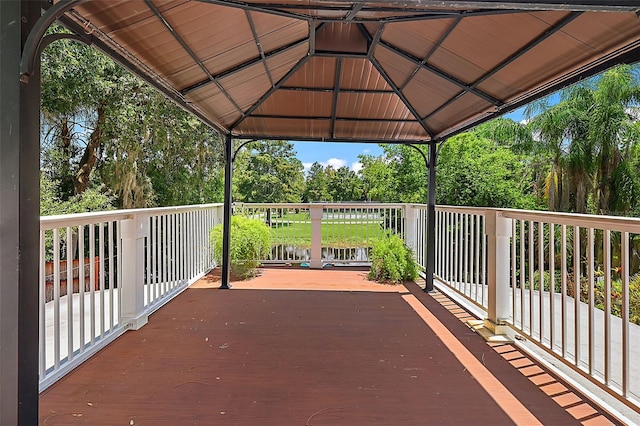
(42,312)
(81,286)
(541,270)
(523,272)
(552,285)
(607,305)
(111,279)
(624,258)
(564,290)
(56,299)
(92,281)
(576,291)
(591,293)
(69,257)
(514,277)
(101,253)
(531,275)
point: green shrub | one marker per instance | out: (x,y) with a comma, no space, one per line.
(250,243)
(392,261)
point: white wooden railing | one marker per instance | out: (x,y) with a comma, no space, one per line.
(103,273)
(496,260)
(523,269)
(320,234)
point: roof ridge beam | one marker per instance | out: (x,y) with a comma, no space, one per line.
(435,47)
(245,65)
(254,8)
(404,100)
(192,54)
(259,45)
(336,92)
(347,119)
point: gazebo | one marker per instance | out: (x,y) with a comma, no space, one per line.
(409,72)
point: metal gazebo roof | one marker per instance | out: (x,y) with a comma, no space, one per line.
(376,71)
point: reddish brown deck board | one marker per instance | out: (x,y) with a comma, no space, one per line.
(287,357)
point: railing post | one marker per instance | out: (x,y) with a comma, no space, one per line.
(498,230)
(410,226)
(134,231)
(315,213)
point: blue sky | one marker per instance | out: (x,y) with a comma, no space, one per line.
(346,154)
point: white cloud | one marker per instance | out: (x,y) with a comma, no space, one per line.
(336,163)
(306,166)
(356,167)
(366,151)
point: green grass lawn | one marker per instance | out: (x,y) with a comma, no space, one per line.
(361,234)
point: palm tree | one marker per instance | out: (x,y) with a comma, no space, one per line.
(588,138)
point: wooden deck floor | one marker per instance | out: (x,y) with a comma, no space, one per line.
(300,347)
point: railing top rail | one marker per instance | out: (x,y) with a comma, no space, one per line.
(611,223)
(461,209)
(49,222)
(364,205)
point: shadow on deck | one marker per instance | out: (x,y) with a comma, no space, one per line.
(272,352)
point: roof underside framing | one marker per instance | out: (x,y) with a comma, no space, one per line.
(345,71)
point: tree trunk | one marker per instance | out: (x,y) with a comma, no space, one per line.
(89,158)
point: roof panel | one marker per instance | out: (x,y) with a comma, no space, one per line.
(367,130)
(246,86)
(418,37)
(471,49)
(338,37)
(463,109)
(372,105)
(279,65)
(276,31)
(563,49)
(227,40)
(297,104)
(214,102)
(317,72)
(396,67)
(426,91)
(360,74)
(291,128)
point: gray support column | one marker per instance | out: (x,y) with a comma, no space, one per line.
(431,218)
(226,233)
(19,219)
(9,208)
(29,232)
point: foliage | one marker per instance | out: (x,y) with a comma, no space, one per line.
(93,199)
(343,184)
(316,187)
(268,172)
(475,171)
(397,176)
(589,137)
(103,126)
(250,243)
(392,261)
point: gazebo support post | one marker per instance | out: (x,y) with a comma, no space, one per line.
(431,218)
(19,218)
(226,231)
